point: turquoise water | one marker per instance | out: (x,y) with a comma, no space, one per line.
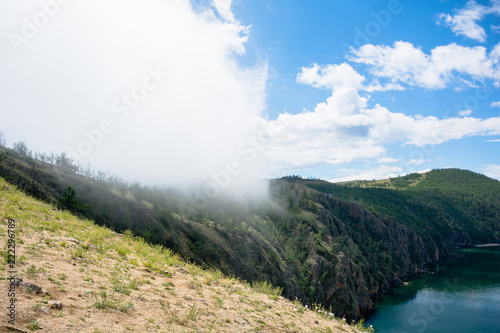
(463,296)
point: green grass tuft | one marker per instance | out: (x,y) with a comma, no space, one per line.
(268,289)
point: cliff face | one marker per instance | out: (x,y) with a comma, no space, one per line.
(361,255)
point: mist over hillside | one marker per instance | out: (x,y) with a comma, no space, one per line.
(338,245)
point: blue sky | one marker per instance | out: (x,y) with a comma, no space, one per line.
(223,91)
(290,35)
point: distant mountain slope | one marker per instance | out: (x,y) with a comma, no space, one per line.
(448,203)
(335,245)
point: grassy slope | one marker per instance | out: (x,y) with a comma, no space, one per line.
(109,282)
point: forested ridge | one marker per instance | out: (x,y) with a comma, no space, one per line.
(442,200)
(339,245)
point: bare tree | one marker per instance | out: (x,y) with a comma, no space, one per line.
(52,158)
(21,148)
(42,157)
(88,172)
(101,177)
(66,164)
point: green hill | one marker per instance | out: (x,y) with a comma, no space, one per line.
(335,245)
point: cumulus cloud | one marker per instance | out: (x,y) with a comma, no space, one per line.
(153,89)
(331,76)
(401,65)
(465,21)
(406,64)
(338,76)
(495,104)
(327,135)
(343,129)
(465,113)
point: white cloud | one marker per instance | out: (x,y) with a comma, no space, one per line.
(224,9)
(495,104)
(331,76)
(375,85)
(449,64)
(418,161)
(492,171)
(331,134)
(380,172)
(398,63)
(493,140)
(394,68)
(338,76)
(343,129)
(432,131)
(465,21)
(387,160)
(64,81)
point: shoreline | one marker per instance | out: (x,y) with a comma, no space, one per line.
(427,269)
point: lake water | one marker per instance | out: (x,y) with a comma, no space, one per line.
(463,296)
